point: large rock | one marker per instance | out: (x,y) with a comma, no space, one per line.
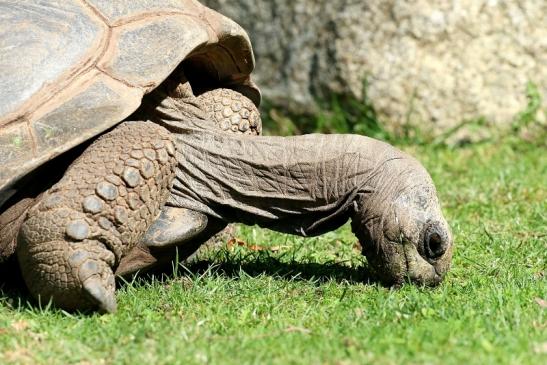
(433,63)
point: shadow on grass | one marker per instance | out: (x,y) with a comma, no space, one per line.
(264,265)
(13,292)
(273,267)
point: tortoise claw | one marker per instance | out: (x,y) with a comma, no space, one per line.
(104,298)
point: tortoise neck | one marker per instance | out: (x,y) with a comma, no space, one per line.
(303,185)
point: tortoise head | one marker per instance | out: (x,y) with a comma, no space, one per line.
(402,229)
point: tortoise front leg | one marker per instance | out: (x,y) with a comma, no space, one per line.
(178,232)
(76,234)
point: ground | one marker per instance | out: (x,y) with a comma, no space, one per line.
(271,298)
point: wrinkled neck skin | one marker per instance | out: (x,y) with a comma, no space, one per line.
(304,185)
(309,185)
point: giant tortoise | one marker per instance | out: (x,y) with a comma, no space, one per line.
(115,149)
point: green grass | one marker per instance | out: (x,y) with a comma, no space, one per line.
(305,301)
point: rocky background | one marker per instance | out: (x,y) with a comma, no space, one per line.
(428,63)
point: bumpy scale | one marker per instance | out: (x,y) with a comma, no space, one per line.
(78,232)
(232,111)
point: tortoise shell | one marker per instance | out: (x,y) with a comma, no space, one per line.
(69,70)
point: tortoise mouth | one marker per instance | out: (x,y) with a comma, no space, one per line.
(428,270)
(399,262)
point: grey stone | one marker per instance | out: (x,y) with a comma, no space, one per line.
(430,63)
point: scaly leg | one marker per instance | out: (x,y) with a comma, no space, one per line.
(78,231)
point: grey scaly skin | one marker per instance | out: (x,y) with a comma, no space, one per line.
(80,228)
(309,185)
(72,237)
(303,185)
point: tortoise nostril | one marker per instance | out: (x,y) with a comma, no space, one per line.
(435,246)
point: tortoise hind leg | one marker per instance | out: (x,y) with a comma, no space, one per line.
(76,234)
